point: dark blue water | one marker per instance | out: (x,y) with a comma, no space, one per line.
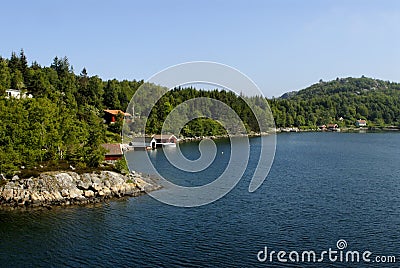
(322,187)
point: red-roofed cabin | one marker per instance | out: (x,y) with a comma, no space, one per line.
(332,126)
(114,151)
(110,116)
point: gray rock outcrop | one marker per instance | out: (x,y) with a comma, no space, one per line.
(68,188)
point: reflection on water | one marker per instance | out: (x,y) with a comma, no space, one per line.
(322,187)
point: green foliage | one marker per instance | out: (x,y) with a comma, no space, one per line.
(63,121)
(204,126)
(5,76)
(37,129)
(121,166)
(348,98)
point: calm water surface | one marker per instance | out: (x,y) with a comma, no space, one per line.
(322,187)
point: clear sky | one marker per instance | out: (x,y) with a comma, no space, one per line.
(282,45)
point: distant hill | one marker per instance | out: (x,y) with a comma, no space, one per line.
(342,86)
(341,101)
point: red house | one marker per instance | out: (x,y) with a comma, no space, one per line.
(332,126)
(114,151)
(110,116)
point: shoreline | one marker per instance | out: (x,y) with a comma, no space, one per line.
(66,188)
(341,130)
(190,139)
(295,130)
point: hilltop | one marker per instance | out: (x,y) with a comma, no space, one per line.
(347,85)
(341,101)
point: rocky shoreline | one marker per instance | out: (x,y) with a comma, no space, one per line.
(253,134)
(70,188)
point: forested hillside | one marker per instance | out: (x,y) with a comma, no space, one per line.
(375,100)
(63,121)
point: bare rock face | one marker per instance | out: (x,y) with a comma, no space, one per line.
(65,188)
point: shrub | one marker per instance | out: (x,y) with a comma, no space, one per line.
(121,166)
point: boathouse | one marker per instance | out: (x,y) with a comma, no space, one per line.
(113,151)
(166,140)
(143,143)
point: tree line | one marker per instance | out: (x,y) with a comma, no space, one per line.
(340,101)
(63,121)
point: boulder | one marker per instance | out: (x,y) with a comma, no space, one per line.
(57,196)
(89,194)
(75,193)
(95,179)
(85,185)
(97,186)
(8,194)
(48,197)
(106,191)
(65,180)
(64,193)
(107,183)
(36,198)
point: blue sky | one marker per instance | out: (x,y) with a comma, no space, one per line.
(281,45)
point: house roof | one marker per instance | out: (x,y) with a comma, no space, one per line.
(13,90)
(112,148)
(143,139)
(163,136)
(332,125)
(116,112)
(362,121)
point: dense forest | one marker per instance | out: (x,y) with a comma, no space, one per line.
(63,121)
(214,119)
(375,100)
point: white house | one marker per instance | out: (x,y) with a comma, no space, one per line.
(361,123)
(16,93)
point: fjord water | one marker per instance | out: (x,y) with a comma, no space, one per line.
(322,187)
